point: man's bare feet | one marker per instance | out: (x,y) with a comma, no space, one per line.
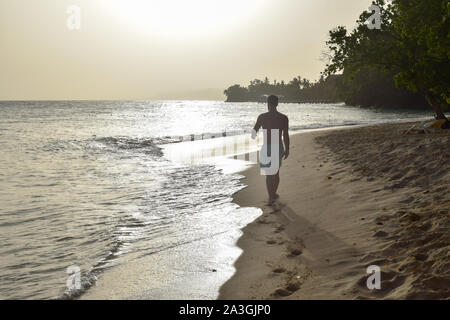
(272,200)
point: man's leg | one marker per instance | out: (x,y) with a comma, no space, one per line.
(276,183)
(272,182)
(269,186)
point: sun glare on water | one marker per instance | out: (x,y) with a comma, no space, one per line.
(181,18)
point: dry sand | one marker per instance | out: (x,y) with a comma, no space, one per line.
(350,198)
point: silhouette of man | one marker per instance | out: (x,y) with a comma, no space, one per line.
(275,126)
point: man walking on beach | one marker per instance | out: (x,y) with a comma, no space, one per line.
(275,127)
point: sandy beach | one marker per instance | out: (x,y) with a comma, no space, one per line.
(350,198)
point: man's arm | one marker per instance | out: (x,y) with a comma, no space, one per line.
(257,127)
(286,140)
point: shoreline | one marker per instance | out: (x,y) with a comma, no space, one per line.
(217,253)
(334,219)
(289,248)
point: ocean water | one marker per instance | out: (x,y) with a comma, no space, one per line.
(89,184)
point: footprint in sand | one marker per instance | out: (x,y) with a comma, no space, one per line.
(275,209)
(280,229)
(287,291)
(281,293)
(292,287)
(279,270)
(381,234)
(294,253)
(272,242)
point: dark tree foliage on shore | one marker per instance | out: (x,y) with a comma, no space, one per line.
(297,90)
(403,64)
(411,50)
(373,88)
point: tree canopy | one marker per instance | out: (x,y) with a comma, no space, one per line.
(404,63)
(296,90)
(412,47)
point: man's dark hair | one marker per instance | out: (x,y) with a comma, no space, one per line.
(272,100)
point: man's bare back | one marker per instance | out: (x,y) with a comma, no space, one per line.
(274,120)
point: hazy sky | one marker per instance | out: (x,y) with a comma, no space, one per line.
(160,49)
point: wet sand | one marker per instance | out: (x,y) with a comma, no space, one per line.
(350,198)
